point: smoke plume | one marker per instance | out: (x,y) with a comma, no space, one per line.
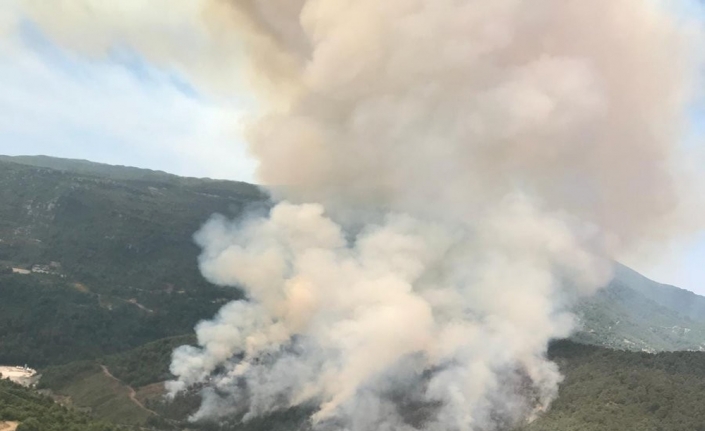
(452,175)
(474,167)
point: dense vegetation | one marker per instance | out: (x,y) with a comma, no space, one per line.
(40,413)
(147,364)
(118,267)
(123,237)
(117,287)
(623,317)
(610,390)
(46,321)
(603,390)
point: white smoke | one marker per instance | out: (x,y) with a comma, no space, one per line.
(330,320)
(455,173)
(477,166)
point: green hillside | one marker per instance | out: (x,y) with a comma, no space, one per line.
(115,287)
(609,390)
(113,235)
(118,267)
(603,390)
(35,412)
(678,300)
(635,313)
(114,262)
(123,236)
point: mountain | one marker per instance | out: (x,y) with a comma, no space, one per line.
(635,313)
(99,281)
(603,390)
(113,266)
(122,237)
(104,258)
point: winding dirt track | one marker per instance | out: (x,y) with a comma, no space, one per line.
(133,393)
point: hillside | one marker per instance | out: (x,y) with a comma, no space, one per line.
(603,390)
(115,266)
(608,390)
(110,286)
(636,313)
(125,233)
(34,412)
(110,253)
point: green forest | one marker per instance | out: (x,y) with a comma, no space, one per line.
(40,413)
(603,390)
(112,285)
(50,322)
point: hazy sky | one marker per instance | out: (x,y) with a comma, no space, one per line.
(122,110)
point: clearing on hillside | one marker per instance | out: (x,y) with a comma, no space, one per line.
(21,375)
(9,426)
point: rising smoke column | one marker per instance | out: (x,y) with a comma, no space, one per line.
(453,174)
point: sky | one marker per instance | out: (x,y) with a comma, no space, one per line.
(119,108)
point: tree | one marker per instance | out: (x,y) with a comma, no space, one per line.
(31,424)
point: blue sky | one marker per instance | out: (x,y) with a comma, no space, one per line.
(118,108)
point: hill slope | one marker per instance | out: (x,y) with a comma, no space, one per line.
(608,390)
(115,268)
(35,412)
(113,247)
(603,390)
(114,262)
(635,313)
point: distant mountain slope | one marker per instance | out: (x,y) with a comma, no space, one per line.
(636,313)
(128,173)
(681,301)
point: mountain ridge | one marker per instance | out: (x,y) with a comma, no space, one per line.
(113,284)
(127,233)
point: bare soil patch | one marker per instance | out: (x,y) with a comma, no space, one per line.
(9,426)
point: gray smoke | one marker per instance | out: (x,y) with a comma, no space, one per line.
(453,174)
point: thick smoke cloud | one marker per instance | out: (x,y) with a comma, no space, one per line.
(334,322)
(486,159)
(453,175)
(442,107)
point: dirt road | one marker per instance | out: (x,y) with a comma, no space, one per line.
(133,394)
